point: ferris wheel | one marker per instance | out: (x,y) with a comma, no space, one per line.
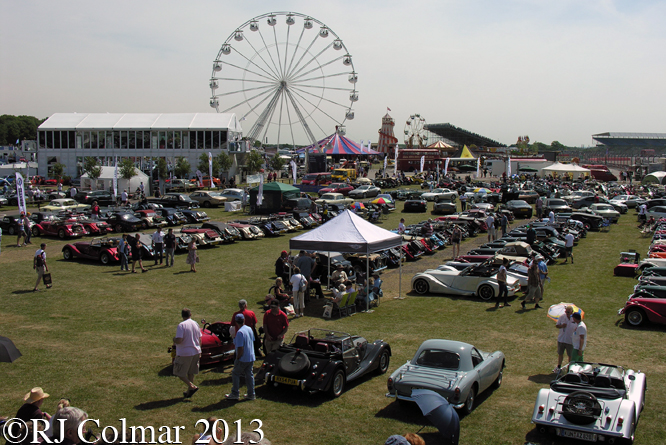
(287,73)
(415,132)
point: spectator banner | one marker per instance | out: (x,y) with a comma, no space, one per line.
(385,162)
(210,169)
(422,163)
(115,180)
(446,166)
(200,177)
(508,168)
(20,192)
(260,194)
(478,167)
(395,164)
(293,170)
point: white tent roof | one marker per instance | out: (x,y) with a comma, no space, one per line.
(654,177)
(107,173)
(559,167)
(347,233)
(138,121)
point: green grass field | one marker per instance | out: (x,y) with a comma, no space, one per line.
(100,338)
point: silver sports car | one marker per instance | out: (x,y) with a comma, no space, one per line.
(457,371)
(479,279)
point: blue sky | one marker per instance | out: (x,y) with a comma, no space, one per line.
(554,70)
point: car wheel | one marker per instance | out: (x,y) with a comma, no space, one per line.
(486,292)
(11,230)
(453,198)
(206,204)
(105,258)
(67,253)
(61,233)
(35,231)
(498,381)
(144,224)
(635,317)
(436,198)
(421,286)
(581,408)
(384,361)
(294,363)
(469,402)
(337,384)
(118,228)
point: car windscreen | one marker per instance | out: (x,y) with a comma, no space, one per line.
(437,358)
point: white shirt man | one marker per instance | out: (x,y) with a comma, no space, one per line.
(72,192)
(551,217)
(565,336)
(123,197)
(568,245)
(188,351)
(579,338)
(158,244)
(401,226)
(490,223)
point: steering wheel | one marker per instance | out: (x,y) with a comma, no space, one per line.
(584,378)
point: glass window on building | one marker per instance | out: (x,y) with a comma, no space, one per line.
(116,139)
(193,139)
(123,139)
(208,142)
(132,140)
(93,140)
(200,140)
(49,139)
(169,139)
(86,139)
(216,140)
(146,139)
(162,139)
(177,141)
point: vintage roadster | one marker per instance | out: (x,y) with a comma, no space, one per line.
(478,280)
(455,370)
(216,343)
(594,402)
(322,360)
(104,250)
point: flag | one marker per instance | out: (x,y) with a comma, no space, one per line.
(200,177)
(260,194)
(478,167)
(508,168)
(395,164)
(210,170)
(388,109)
(115,180)
(17,142)
(446,166)
(385,162)
(422,163)
(20,192)
(369,144)
(293,170)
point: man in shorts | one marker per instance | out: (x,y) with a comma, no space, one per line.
(579,338)
(490,222)
(188,352)
(456,237)
(568,245)
(564,339)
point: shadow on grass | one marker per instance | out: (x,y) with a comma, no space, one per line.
(647,326)
(167,371)
(541,378)
(182,272)
(158,404)
(534,437)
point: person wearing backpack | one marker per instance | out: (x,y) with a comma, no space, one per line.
(40,266)
(298,285)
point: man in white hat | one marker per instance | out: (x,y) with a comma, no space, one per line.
(31,408)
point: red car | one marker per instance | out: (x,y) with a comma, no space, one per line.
(216,343)
(61,229)
(644,307)
(51,182)
(104,250)
(92,226)
(337,187)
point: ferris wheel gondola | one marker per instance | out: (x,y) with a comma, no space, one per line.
(289,74)
(415,132)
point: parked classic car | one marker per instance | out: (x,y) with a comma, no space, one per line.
(333,198)
(176,200)
(606,211)
(203,237)
(208,198)
(9,224)
(172,216)
(629,200)
(149,218)
(323,360)
(337,187)
(415,205)
(440,194)
(92,226)
(365,191)
(58,205)
(102,197)
(124,222)
(556,205)
(61,229)
(478,280)
(444,208)
(519,208)
(593,402)
(103,250)
(234,194)
(455,370)
(195,216)
(644,306)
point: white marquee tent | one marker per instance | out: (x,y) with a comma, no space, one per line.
(561,169)
(347,233)
(105,181)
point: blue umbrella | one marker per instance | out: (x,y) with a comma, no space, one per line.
(438,410)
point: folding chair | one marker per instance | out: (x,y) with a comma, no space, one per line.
(351,302)
(342,306)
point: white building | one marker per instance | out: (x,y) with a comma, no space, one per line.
(68,138)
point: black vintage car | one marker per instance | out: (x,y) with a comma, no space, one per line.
(174,217)
(9,224)
(102,197)
(322,360)
(415,205)
(124,222)
(519,208)
(178,200)
(195,216)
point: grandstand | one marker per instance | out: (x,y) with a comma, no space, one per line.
(631,140)
(461,137)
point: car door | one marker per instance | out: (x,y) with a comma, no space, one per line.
(350,356)
(483,369)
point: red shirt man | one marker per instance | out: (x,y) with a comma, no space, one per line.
(276,325)
(250,317)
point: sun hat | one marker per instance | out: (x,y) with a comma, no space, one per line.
(35,394)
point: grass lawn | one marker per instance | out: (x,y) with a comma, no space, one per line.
(100,338)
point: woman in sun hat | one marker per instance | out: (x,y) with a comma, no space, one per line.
(31,408)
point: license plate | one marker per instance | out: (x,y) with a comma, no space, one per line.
(286,380)
(590,437)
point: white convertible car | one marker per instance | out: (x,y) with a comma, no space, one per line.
(438,195)
(592,402)
(479,279)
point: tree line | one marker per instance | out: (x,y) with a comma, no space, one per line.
(13,128)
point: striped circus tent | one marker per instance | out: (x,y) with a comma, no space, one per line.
(337,144)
